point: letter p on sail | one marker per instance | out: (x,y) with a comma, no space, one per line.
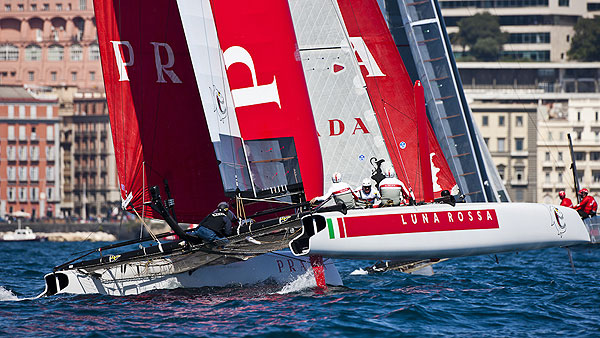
(120,59)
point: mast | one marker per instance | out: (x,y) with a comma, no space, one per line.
(574,169)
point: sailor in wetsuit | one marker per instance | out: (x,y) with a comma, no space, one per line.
(393,191)
(214,227)
(341,192)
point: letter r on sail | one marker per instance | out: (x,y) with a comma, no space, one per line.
(119,58)
(250,95)
(164,68)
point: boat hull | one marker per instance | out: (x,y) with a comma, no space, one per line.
(439,231)
(277,267)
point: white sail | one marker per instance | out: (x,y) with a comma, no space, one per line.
(346,122)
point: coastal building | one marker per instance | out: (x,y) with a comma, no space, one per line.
(90,182)
(49,43)
(538,30)
(29,148)
(526,122)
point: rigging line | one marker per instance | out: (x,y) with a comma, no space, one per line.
(397,152)
(353,58)
(149,230)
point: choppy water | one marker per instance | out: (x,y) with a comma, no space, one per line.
(527,294)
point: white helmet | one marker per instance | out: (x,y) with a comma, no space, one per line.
(336,178)
(366,182)
(390,172)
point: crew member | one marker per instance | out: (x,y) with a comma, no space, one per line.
(393,191)
(588,206)
(564,200)
(368,196)
(214,227)
(341,192)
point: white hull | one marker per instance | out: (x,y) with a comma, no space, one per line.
(440,231)
(277,267)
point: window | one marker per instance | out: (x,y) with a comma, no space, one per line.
(548,177)
(76,53)
(73,76)
(11,173)
(22,153)
(10,193)
(22,133)
(59,7)
(46,7)
(33,134)
(563,3)
(53,76)
(560,177)
(33,173)
(11,153)
(49,111)
(34,153)
(82,5)
(33,53)
(56,53)
(30,76)
(22,112)
(501,169)
(519,144)
(519,121)
(519,195)
(22,174)
(50,153)
(9,52)
(20,7)
(49,194)
(94,52)
(11,112)
(560,157)
(22,194)
(501,121)
(501,147)
(33,113)
(487,141)
(49,133)
(49,173)
(92,76)
(594,156)
(34,193)
(596,116)
(11,133)
(547,158)
(33,7)
(7,8)
(579,156)
(550,136)
(578,116)
(580,176)
(484,120)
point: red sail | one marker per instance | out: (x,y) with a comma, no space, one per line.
(267,81)
(391,92)
(158,125)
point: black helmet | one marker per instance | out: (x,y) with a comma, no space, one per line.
(224,206)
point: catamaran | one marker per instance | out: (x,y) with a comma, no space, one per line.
(212,100)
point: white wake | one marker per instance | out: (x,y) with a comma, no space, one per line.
(305,281)
(7,295)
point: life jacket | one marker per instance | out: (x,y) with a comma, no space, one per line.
(566,202)
(215,222)
(392,189)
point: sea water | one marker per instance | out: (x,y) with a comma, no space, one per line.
(526,294)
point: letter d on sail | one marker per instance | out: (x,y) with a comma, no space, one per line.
(120,59)
(250,95)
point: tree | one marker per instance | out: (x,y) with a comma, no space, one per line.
(585,44)
(481,33)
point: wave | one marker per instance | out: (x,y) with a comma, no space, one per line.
(7,295)
(305,281)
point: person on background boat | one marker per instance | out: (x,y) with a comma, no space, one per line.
(588,206)
(564,200)
(393,191)
(341,192)
(219,224)
(368,196)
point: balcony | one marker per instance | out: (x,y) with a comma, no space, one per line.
(521,182)
(519,153)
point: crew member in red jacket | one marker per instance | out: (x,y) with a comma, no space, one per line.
(564,200)
(588,206)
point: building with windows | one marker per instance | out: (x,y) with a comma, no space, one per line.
(29,148)
(539,30)
(89,176)
(526,124)
(49,43)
